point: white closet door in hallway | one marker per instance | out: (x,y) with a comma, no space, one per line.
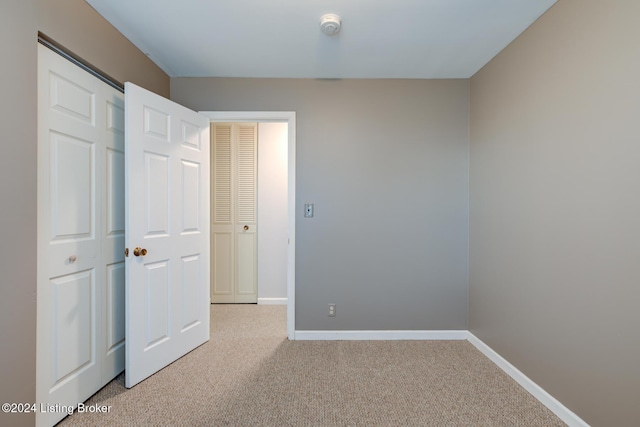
(234,219)
(80,290)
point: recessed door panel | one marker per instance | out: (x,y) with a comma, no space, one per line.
(157,298)
(156,124)
(246,272)
(191,136)
(115,192)
(115,118)
(190,197)
(190,291)
(71,99)
(72,183)
(157,194)
(74,320)
(223,264)
(115,306)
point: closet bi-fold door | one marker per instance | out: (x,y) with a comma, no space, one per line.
(234,222)
(80,291)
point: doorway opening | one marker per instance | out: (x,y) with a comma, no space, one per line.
(289,118)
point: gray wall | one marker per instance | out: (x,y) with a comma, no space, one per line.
(74,24)
(18,208)
(386,164)
(555,207)
(554,195)
(77,26)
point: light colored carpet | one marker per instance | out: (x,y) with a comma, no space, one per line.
(249,374)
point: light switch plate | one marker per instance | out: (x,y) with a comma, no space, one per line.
(308,210)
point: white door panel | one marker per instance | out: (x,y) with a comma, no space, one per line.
(112,299)
(73,192)
(167,214)
(222,264)
(82,271)
(115,312)
(247,268)
(80,340)
(67,333)
(234,251)
(74,324)
(74,328)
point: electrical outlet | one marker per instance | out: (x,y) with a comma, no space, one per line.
(332,310)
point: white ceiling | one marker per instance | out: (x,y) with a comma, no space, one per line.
(281,38)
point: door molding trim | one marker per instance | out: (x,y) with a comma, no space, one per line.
(288,117)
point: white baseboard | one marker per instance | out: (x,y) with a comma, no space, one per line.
(564,413)
(272,301)
(379,335)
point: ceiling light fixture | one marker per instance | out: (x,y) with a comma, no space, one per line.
(330,24)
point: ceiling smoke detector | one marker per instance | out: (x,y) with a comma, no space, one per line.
(330,24)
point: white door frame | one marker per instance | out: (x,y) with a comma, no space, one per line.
(288,117)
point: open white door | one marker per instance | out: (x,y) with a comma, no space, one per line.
(167,232)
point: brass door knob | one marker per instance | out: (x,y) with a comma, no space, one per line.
(139,251)
(246,228)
